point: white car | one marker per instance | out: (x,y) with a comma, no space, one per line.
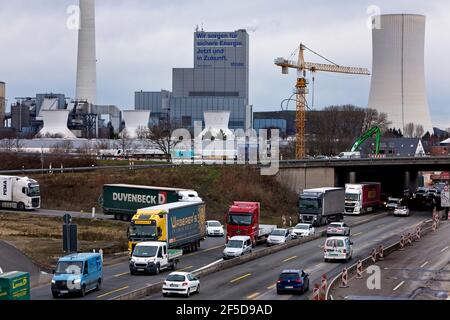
(237,246)
(402,211)
(338,248)
(278,236)
(214,228)
(303,230)
(182,283)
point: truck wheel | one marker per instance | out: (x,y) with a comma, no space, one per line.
(21,206)
(117,217)
(99,285)
(157,270)
(55,295)
(83,290)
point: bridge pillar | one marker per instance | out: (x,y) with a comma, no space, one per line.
(298,179)
(352,177)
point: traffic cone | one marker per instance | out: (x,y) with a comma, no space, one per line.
(359,270)
(344,279)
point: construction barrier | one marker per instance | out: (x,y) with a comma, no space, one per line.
(323,287)
(381,253)
(418,232)
(316,292)
(359,269)
(374,256)
(344,283)
(402,243)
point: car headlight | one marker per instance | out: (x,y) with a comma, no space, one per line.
(77,281)
(53,281)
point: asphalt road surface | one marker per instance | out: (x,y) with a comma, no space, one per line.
(256,280)
(421,272)
(118,281)
(12,259)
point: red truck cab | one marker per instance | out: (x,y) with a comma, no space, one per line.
(243,220)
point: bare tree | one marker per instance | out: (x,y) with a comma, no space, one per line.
(419,131)
(159,137)
(10,145)
(125,142)
(409,130)
(65,146)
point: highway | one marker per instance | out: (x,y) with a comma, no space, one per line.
(420,272)
(255,280)
(118,281)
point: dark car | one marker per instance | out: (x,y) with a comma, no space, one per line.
(293,281)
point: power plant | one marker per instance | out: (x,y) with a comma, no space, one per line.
(398,81)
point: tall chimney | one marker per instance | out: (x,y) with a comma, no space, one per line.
(86,64)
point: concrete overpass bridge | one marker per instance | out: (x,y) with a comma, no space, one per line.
(395,174)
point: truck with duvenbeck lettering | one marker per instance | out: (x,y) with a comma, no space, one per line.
(181,225)
(123,200)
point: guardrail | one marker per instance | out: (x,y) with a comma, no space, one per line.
(157,287)
(426,227)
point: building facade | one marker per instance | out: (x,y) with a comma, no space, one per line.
(219,81)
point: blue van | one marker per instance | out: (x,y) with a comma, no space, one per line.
(78,273)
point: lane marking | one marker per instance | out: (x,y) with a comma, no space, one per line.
(289,259)
(187,268)
(358,234)
(240,278)
(121,274)
(206,250)
(380,226)
(424,264)
(399,285)
(271,287)
(252,296)
(111,292)
(445,249)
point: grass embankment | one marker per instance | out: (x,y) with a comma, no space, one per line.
(218,186)
(40,238)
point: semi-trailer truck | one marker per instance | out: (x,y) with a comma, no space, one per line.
(243,219)
(321,206)
(181,225)
(362,198)
(20,193)
(123,200)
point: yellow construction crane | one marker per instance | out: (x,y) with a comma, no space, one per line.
(301,88)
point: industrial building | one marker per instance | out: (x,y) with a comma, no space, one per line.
(219,82)
(398,81)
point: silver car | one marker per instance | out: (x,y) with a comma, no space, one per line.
(338,229)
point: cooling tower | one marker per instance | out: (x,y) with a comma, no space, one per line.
(398,80)
(55,123)
(135,120)
(86,64)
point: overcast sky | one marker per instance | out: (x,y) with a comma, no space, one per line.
(140,41)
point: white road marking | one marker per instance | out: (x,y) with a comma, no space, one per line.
(399,285)
(209,265)
(445,249)
(424,264)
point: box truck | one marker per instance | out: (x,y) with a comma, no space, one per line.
(362,198)
(243,219)
(20,193)
(15,286)
(123,200)
(321,206)
(182,225)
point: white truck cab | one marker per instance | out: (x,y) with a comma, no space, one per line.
(189,196)
(153,257)
(20,193)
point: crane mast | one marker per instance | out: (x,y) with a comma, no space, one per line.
(301,89)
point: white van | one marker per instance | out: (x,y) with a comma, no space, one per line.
(237,246)
(338,248)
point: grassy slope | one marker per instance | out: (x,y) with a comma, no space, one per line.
(218,186)
(40,237)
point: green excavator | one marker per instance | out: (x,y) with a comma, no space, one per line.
(369,134)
